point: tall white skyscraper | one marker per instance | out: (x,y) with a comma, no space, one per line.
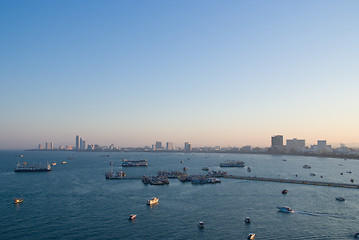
(77,143)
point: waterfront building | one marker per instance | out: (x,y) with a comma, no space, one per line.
(277,141)
(187,147)
(83,145)
(77,143)
(297,145)
(169,146)
(51,145)
(158,145)
(40,146)
(68,147)
(322,146)
(46,146)
(153,147)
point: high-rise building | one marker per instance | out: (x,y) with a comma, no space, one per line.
(40,146)
(187,147)
(322,145)
(83,145)
(295,144)
(46,146)
(158,145)
(169,146)
(77,143)
(51,145)
(277,141)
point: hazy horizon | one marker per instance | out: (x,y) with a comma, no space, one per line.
(207,72)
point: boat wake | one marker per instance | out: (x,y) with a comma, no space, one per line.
(318,214)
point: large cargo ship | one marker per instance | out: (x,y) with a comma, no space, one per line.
(232,164)
(33,168)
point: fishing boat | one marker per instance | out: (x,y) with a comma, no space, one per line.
(117,175)
(132,217)
(18,200)
(153,200)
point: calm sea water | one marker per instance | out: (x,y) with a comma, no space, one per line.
(75,201)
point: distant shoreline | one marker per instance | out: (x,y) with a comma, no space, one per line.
(209,152)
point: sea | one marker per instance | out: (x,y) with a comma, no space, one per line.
(75,201)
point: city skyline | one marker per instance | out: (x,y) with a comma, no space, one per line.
(210,73)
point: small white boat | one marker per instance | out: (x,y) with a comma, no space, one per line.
(247,220)
(251,236)
(132,217)
(285,209)
(200,224)
(153,200)
(18,200)
(312,174)
(340,199)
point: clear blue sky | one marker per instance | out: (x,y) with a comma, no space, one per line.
(208,72)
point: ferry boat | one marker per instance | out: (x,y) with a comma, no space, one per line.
(232,164)
(285,209)
(132,217)
(200,224)
(307,166)
(153,200)
(251,236)
(33,168)
(247,220)
(18,200)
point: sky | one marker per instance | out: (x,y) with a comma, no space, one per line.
(227,73)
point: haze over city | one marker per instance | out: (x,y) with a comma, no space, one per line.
(130,73)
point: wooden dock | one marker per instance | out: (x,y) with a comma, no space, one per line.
(295,181)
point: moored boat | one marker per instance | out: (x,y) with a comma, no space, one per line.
(32,168)
(153,200)
(200,224)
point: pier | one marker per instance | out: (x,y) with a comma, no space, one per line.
(295,181)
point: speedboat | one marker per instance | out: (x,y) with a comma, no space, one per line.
(285,191)
(247,220)
(251,236)
(132,217)
(285,209)
(153,200)
(200,224)
(340,199)
(18,200)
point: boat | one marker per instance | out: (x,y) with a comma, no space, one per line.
(205,168)
(247,220)
(251,236)
(249,169)
(285,191)
(356,235)
(232,164)
(352,180)
(312,174)
(153,200)
(285,209)
(117,175)
(284,160)
(32,168)
(53,164)
(349,172)
(145,179)
(133,163)
(340,199)
(307,166)
(132,217)
(63,162)
(213,180)
(18,200)
(200,224)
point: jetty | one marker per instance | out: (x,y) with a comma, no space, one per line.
(294,181)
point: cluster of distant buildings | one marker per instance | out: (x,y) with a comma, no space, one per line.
(292,146)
